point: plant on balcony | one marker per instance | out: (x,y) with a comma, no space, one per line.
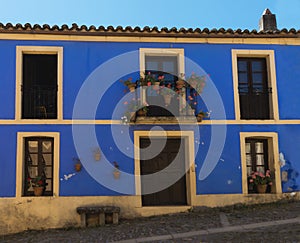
(200,115)
(147,80)
(197,82)
(129,84)
(133,107)
(167,92)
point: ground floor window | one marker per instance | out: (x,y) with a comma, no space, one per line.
(260,166)
(38,166)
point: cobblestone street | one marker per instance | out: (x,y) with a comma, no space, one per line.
(277,222)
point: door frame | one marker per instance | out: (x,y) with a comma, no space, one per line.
(188,137)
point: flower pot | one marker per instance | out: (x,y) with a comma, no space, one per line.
(167,99)
(78,167)
(261,188)
(199,118)
(180,84)
(141,112)
(97,156)
(38,191)
(156,86)
(131,87)
(116,174)
(132,116)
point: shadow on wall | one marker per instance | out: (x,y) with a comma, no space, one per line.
(288,175)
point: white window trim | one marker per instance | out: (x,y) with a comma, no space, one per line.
(178,52)
(20,160)
(271,69)
(273,157)
(20,50)
(190,160)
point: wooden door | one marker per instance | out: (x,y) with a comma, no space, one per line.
(176,193)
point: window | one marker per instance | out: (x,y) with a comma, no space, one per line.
(37,157)
(259,152)
(253,88)
(162,66)
(39,82)
(169,63)
(38,163)
(256,158)
(254,76)
(39,89)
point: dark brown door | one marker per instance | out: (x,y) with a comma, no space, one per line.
(176,193)
(253,88)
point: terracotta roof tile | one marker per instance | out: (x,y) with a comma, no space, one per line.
(147,31)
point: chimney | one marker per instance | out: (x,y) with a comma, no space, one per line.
(267,21)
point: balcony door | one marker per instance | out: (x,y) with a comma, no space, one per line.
(39,86)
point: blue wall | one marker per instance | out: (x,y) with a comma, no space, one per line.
(81,59)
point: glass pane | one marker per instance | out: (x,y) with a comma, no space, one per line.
(243,77)
(257,88)
(256,66)
(257,78)
(261,169)
(248,159)
(49,186)
(34,159)
(33,146)
(47,159)
(168,67)
(248,147)
(152,66)
(260,159)
(48,172)
(259,147)
(249,171)
(33,172)
(242,65)
(47,146)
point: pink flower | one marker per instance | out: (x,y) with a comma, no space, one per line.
(149,83)
(270,183)
(125,103)
(251,180)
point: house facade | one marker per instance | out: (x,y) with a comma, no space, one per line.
(63,102)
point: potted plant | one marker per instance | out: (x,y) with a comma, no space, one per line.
(128,83)
(197,82)
(200,115)
(38,184)
(260,180)
(180,83)
(116,171)
(97,154)
(77,164)
(167,92)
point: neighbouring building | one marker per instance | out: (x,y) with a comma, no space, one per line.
(62,102)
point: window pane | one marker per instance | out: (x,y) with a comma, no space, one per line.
(261,169)
(168,67)
(47,146)
(257,78)
(242,65)
(33,146)
(256,66)
(249,171)
(152,66)
(49,186)
(248,159)
(47,159)
(243,77)
(34,159)
(260,159)
(33,172)
(48,172)
(259,147)
(248,147)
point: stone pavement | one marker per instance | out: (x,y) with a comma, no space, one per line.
(277,222)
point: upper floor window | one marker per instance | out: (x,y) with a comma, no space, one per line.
(39,82)
(39,88)
(169,63)
(255,90)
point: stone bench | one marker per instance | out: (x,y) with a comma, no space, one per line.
(105,214)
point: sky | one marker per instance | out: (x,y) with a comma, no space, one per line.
(234,14)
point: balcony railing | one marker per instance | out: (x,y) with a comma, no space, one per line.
(39,103)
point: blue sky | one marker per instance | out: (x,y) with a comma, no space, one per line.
(243,14)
